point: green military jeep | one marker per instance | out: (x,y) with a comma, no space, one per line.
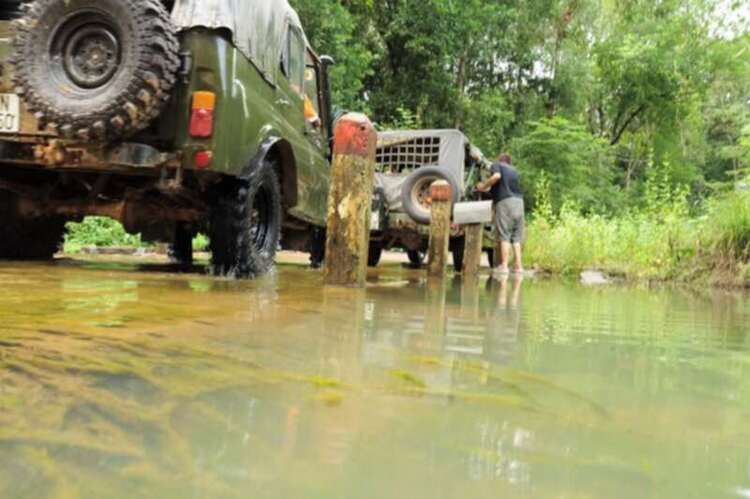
(171,116)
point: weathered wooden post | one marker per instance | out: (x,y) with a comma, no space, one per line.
(474,234)
(350,201)
(440,228)
(473,216)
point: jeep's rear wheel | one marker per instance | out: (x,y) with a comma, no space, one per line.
(27,238)
(95,68)
(457,247)
(374,253)
(416,258)
(181,249)
(317,248)
(245,228)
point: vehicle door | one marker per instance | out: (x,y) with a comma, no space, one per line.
(291,103)
(315,118)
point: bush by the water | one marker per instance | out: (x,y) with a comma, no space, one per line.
(663,239)
(105,232)
(99,232)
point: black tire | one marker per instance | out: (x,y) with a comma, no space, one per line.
(416,258)
(10,9)
(35,239)
(95,68)
(457,247)
(491,257)
(375,254)
(245,226)
(181,250)
(317,248)
(416,189)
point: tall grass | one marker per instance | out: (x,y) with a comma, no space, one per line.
(727,226)
(659,240)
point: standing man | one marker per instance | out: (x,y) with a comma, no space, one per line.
(510,223)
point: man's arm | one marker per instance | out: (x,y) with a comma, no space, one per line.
(490,183)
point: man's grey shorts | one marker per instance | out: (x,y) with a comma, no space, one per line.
(510,220)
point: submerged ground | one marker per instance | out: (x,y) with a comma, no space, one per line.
(122,378)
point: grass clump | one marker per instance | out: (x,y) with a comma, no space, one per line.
(103,232)
(99,232)
(665,238)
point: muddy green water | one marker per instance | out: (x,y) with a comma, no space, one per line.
(125,381)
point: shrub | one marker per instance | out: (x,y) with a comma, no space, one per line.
(98,231)
(726,227)
(649,242)
(577,165)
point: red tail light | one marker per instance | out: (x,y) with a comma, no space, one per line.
(202,116)
(203,159)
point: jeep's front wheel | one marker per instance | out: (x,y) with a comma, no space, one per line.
(245,226)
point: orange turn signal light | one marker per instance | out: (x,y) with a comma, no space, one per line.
(202,116)
(204,100)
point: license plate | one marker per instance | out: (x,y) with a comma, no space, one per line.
(10,113)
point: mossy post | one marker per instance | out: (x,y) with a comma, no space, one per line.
(473,250)
(350,201)
(440,228)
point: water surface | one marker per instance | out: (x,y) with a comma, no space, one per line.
(120,380)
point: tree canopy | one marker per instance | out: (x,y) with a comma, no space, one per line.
(593,93)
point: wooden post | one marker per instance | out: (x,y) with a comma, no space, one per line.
(474,234)
(350,201)
(440,228)
(436,318)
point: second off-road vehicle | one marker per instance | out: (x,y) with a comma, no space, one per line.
(407,163)
(171,116)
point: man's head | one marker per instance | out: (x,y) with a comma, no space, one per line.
(505,158)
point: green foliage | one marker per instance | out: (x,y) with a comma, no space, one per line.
(487,121)
(579,167)
(104,232)
(661,240)
(98,231)
(201,242)
(404,119)
(648,82)
(335,30)
(727,231)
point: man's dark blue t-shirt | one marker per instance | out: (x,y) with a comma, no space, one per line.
(509,185)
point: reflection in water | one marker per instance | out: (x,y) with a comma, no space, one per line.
(118,383)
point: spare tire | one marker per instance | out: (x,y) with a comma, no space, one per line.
(95,68)
(415,193)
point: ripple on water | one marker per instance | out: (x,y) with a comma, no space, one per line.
(279,388)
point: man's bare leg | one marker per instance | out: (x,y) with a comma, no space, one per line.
(518,258)
(504,256)
(515,297)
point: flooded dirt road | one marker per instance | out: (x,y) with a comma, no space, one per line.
(120,380)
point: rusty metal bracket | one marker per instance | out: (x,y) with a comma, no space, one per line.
(51,154)
(138,156)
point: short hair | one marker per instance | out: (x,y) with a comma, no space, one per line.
(505,158)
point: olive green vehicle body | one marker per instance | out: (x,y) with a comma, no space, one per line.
(252,114)
(257,114)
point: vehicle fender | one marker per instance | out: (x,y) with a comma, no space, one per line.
(282,151)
